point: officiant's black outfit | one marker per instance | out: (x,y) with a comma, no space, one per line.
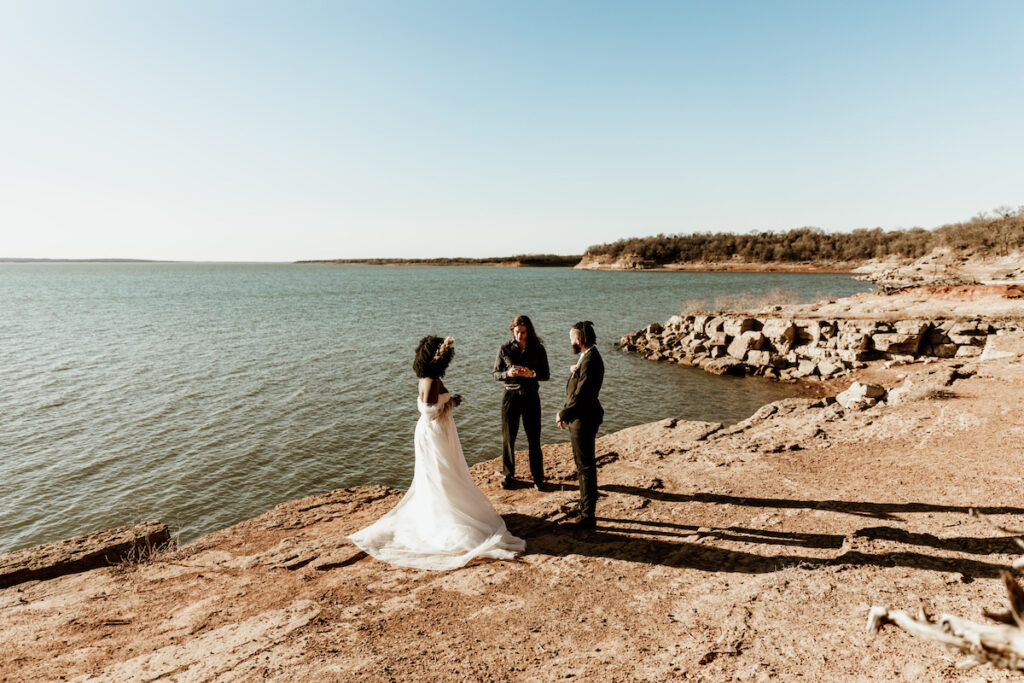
(521,400)
(583,413)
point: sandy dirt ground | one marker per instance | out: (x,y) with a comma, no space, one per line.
(946,264)
(751,552)
(985,302)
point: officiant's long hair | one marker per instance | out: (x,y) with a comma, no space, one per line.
(532,338)
(426,363)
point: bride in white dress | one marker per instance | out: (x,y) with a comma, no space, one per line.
(444,520)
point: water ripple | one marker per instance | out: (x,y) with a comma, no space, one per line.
(204,394)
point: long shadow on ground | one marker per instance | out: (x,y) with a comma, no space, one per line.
(631,540)
(877,510)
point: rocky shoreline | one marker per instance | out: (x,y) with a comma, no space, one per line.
(788,349)
(751,551)
(631,262)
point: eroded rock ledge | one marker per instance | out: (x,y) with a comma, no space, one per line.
(789,349)
(82,553)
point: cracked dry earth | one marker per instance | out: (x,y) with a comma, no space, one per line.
(752,551)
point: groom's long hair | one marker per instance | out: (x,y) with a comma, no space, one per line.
(532,339)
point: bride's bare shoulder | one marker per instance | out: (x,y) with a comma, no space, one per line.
(430,388)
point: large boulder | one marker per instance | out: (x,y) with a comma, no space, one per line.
(973,333)
(758,359)
(779,331)
(714,325)
(853,340)
(748,341)
(918,327)
(854,355)
(827,329)
(897,342)
(861,395)
(814,353)
(805,368)
(691,340)
(1003,346)
(972,327)
(968,339)
(717,339)
(734,327)
(671,339)
(723,366)
(814,331)
(943,350)
(830,366)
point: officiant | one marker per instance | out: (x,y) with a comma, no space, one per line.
(522,363)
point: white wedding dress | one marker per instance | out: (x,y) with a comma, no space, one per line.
(444,520)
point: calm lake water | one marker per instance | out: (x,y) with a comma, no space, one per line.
(204,394)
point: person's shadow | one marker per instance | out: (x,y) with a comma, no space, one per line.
(867,509)
(678,545)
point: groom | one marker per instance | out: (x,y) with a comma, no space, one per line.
(582,414)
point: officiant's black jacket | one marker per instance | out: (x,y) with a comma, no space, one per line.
(533,356)
(581,391)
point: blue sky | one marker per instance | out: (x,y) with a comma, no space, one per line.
(278,131)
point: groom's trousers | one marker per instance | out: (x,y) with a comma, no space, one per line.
(525,405)
(583,434)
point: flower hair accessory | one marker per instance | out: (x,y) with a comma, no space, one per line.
(445,346)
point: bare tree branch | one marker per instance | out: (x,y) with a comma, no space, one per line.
(1001,645)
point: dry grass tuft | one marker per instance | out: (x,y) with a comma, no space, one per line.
(750,301)
(145,553)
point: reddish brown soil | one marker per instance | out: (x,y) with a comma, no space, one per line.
(975,292)
(752,552)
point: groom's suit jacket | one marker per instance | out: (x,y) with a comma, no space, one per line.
(581,402)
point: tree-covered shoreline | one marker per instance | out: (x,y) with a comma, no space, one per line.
(985,234)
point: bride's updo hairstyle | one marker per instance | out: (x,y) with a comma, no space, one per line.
(433,354)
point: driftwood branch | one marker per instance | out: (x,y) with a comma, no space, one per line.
(1001,644)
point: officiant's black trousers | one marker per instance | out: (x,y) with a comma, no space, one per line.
(516,405)
(583,433)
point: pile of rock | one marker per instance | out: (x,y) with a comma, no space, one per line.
(783,348)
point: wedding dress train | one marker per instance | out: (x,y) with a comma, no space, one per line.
(444,520)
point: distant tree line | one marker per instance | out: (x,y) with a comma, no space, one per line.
(532,260)
(999,232)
